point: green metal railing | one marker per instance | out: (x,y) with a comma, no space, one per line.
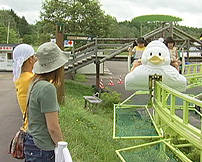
(166,113)
(192,71)
(172,117)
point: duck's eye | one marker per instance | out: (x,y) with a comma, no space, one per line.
(151,54)
(159,54)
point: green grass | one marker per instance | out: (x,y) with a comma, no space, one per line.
(80,78)
(124,53)
(89,134)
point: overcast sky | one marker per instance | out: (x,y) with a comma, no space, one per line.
(189,10)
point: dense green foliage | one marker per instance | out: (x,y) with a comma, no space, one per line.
(89,133)
(109,99)
(18,27)
(81,17)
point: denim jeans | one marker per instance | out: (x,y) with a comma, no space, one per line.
(34,154)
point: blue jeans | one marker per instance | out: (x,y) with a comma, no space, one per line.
(34,154)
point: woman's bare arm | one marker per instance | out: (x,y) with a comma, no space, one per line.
(54,126)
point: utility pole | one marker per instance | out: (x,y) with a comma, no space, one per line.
(141,32)
(8,32)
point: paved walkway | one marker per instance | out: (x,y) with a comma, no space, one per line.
(114,69)
(10,115)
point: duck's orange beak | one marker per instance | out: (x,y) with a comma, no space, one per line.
(156,59)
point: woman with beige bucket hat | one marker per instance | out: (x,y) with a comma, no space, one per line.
(44,131)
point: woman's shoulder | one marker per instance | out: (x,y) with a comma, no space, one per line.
(44,87)
(44,83)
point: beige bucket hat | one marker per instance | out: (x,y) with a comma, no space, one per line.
(50,58)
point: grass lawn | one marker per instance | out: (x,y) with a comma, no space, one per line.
(89,134)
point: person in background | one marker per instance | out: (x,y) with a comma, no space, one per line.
(137,52)
(130,50)
(175,62)
(24,59)
(200,37)
(44,131)
(201,41)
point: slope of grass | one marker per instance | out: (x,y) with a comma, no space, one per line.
(89,134)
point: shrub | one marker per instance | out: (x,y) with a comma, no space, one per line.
(109,99)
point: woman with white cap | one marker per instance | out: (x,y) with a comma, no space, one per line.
(44,131)
(24,59)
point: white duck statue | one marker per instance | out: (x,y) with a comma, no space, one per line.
(155,60)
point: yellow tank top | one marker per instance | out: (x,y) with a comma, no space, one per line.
(22,86)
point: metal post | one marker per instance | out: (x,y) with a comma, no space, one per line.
(185,112)
(173,100)
(97,74)
(97,66)
(96,49)
(171,29)
(60,43)
(163,33)
(188,46)
(73,54)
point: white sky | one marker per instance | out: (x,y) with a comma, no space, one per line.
(189,10)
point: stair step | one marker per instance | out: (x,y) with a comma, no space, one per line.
(89,58)
(71,66)
(80,62)
(84,60)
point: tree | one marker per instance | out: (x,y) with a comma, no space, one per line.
(6,17)
(80,17)
(3,33)
(17,26)
(22,25)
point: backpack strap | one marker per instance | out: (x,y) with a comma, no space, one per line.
(28,97)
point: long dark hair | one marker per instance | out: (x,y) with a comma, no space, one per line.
(54,77)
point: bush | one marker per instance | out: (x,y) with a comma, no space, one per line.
(109,99)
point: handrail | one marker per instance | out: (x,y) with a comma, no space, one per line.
(193,70)
(166,111)
(187,35)
(62,153)
(85,46)
(121,49)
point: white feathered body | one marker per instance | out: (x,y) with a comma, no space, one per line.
(139,80)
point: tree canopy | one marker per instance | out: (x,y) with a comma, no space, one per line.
(80,17)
